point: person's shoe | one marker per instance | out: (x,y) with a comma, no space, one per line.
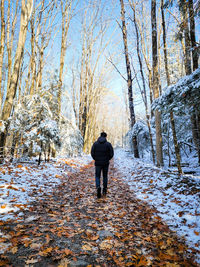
(104,191)
(99,192)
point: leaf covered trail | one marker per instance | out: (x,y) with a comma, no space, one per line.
(69,226)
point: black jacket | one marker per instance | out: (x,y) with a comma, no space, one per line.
(102,151)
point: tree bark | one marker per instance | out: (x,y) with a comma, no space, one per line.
(2,43)
(195,117)
(185,8)
(66,18)
(159,151)
(192,35)
(129,79)
(143,92)
(176,145)
(187,56)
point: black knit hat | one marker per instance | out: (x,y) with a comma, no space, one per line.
(103,134)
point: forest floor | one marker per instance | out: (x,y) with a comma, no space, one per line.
(60,222)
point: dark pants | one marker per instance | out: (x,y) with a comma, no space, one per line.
(98,170)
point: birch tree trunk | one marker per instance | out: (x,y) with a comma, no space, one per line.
(26,10)
(129,78)
(159,152)
(176,145)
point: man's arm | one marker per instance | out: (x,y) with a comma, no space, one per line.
(111,151)
(93,151)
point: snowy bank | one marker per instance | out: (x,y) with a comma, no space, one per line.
(22,183)
(175,198)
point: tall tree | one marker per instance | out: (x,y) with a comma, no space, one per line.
(129,77)
(26,10)
(66,13)
(2,42)
(176,145)
(143,90)
(10,34)
(159,145)
(185,9)
(192,35)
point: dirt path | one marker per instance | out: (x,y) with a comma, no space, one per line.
(71,227)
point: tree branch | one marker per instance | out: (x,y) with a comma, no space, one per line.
(117,69)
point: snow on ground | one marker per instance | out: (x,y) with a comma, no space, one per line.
(177,199)
(21,183)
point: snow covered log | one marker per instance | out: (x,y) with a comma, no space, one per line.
(186,92)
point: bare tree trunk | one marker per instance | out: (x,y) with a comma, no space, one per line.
(184,8)
(159,152)
(129,78)
(2,42)
(195,117)
(34,38)
(187,58)
(10,38)
(40,154)
(143,92)
(26,10)
(192,35)
(176,145)
(66,18)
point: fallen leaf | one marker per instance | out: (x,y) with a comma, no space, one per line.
(31,261)
(46,252)
(196,233)
(106,244)
(14,250)
(36,246)
(19,166)
(68,252)
(86,247)
(3,263)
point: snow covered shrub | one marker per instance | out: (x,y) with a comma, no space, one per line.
(33,123)
(140,130)
(71,139)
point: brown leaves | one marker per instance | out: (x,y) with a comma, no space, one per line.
(69,223)
(3,262)
(196,233)
(46,252)
(87,247)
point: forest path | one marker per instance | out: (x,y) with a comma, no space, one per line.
(71,227)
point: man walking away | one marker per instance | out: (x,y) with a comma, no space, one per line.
(101,152)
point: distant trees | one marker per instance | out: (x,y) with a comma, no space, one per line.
(72,40)
(93,70)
